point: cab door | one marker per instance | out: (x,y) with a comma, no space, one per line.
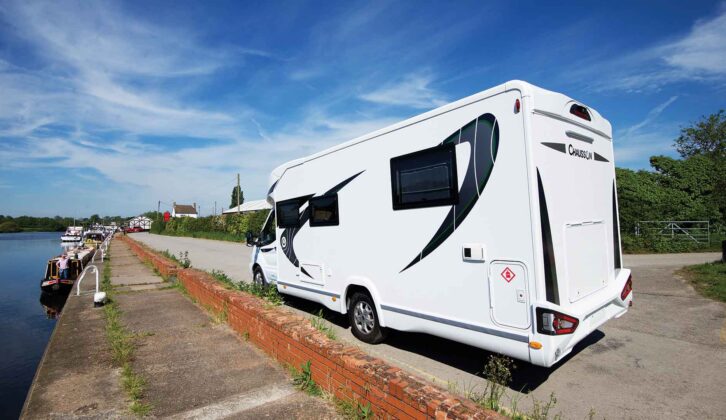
(266,249)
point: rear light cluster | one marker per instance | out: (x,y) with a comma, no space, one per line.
(555,323)
(628,288)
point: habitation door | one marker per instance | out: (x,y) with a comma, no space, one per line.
(508,294)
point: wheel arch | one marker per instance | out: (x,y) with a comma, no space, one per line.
(366,286)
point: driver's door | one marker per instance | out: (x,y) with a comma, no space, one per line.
(266,249)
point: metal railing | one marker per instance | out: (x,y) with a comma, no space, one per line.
(103,249)
(692,230)
(83,274)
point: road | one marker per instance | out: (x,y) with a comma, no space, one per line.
(665,357)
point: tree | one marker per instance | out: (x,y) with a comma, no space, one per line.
(707,139)
(235,191)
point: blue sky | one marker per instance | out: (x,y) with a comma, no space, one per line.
(107,107)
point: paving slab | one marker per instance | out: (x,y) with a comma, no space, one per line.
(198,368)
(76,377)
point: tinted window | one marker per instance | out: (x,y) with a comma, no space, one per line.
(267,235)
(288,213)
(425,179)
(324,210)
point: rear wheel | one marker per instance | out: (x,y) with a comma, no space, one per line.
(363,318)
(259,277)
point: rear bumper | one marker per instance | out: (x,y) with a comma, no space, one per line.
(555,348)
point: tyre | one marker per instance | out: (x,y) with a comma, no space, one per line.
(258,277)
(363,318)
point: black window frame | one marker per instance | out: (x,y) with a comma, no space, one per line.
(399,161)
(312,204)
(280,223)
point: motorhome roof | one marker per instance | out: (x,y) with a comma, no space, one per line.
(545,101)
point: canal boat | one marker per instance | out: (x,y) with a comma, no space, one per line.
(94,238)
(78,259)
(73,234)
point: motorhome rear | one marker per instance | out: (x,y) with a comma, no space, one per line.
(490,221)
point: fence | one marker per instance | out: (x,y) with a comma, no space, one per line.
(698,231)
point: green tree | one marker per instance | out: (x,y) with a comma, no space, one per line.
(707,139)
(235,192)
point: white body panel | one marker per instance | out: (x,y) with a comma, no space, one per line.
(480,285)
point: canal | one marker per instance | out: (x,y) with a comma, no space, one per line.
(27,318)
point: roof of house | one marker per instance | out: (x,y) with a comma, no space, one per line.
(249,206)
(184,209)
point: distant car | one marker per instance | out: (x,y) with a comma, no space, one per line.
(133,229)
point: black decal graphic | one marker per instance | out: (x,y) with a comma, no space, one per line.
(560,147)
(551,289)
(482,134)
(600,158)
(288,235)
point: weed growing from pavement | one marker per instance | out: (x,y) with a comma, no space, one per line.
(267,292)
(353,411)
(498,373)
(221,277)
(303,380)
(183,258)
(322,325)
(122,345)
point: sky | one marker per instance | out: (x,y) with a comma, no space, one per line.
(110,107)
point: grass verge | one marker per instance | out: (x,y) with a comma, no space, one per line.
(219,236)
(708,279)
(122,345)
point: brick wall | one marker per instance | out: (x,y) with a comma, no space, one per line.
(338,368)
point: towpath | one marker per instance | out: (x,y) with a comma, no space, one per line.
(665,357)
(194,367)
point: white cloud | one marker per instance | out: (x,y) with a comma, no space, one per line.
(635,144)
(695,56)
(413,91)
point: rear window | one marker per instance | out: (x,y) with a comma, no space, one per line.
(426,178)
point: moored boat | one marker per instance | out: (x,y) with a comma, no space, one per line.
(73,234)
(94,238)
(78,258)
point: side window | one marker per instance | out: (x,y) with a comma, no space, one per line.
(324,210)
(267,235)
(288,213)
(426,178)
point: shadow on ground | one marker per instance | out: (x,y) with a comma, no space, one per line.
(525,377)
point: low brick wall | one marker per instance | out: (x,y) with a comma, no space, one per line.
(338,368)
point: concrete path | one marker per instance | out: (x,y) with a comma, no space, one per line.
(76,377)
(665,357)
(195,367)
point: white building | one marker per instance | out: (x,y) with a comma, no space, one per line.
(140,221)
(184,210)
(256,205)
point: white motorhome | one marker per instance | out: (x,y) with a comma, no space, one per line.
(491,221)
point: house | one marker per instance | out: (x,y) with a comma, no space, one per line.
(184,210)
(256,205)
(140,221)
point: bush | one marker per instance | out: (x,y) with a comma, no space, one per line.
(232,227)
(8,227)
